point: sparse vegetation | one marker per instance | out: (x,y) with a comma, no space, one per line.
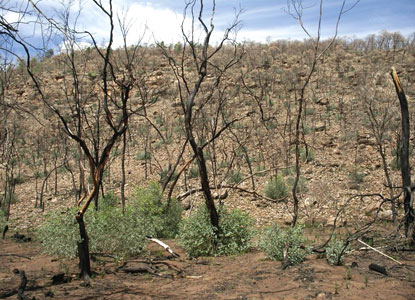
(303,129)
(336,251)
(276,188)
(284,244)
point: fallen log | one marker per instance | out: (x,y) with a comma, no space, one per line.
(379,269)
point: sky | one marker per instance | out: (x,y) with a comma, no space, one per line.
(260,20)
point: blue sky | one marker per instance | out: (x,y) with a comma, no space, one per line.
(262,20)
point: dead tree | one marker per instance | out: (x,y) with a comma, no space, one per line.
(409,217)
(296,9)
(193,97)
(86,129)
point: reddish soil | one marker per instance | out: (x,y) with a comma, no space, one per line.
(249,276)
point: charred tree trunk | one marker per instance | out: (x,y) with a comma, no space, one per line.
(124,146)
(204,180)
(404,157)
(83,250)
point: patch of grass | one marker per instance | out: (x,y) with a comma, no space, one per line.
(143,155)
(301,185)
(276,188)
(194,171)
(234,177)
(356,176)
(109,200)
(280,244)
(3,221)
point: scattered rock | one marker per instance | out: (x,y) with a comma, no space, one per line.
(186,204)
(288,220)
(321,296)
(385,215)
(262,204)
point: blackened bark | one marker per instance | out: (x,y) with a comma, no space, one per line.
(83,250)
(404,157)
(22,286)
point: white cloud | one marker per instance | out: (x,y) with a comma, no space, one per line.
(276,33)
(146,22)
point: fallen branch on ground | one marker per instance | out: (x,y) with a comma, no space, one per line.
(17,255)
(165,246)
(376,250)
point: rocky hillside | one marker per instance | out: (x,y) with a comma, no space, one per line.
(351,108)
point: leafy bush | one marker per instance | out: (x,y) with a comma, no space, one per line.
(108,229)
(335,251)
(237,230)
(276,241)
(164,216)
(196,234)
(111,232)
(109,200)
(59,233)
(198,237)
(276,188)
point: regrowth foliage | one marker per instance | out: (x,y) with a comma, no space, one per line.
(198,236)
(284,244)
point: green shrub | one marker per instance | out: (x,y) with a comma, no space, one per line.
(356,176)
(306,156)
(237,230)
(111,232)
(335,251)
(276,188)
(163,175)
(143,155)
(301,185)
(59,233)
(3,221)
(194,171)
(235,177)
(198,238)
(274,241)
(196,234)
(164,216)
(109,200)
(108,230)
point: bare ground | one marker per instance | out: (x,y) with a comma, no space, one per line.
(249,276)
